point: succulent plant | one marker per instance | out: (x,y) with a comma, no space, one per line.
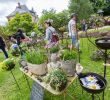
(57,79)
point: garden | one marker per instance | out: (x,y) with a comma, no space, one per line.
(33,71)
(10,91)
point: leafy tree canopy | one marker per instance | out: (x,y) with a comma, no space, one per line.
(82,7)
(23,21)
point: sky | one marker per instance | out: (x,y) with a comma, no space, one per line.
(8,6)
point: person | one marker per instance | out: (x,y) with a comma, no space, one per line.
(19,36)
(84,25)
(51,35)
(73,31)
(2,47)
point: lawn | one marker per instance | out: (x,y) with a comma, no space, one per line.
(9,90)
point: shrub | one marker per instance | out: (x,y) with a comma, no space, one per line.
(97,55)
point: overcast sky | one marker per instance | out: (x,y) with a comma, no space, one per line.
(8,6)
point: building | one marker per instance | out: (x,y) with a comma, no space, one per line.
(21,9)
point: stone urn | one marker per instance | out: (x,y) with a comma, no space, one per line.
(69,66)
(39,70)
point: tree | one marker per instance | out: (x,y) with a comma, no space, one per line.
(47,14)
(23,21)
(97,4)
(62,19)
(82,7)
(106,8)
(59,19)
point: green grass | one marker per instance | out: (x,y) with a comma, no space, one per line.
(9,90)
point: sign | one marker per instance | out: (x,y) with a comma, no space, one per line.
(37,92)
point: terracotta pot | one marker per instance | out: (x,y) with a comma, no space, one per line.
(69,67)
(37,69)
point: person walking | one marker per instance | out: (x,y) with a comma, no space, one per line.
(2,47)
(51,35)
(73,31)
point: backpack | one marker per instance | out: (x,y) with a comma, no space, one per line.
(55,37)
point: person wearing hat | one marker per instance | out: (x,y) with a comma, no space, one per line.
(72,30)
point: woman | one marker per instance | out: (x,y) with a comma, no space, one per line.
(51,35)
(2,47)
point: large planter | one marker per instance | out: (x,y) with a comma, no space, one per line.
(69,67)
(37,69)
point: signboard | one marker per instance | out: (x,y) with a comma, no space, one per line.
(37,92)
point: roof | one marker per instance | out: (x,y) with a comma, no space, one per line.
(22,9)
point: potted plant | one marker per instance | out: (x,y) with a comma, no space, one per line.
(68,62)
(57,79)
(54,51)
(8,64)
(15,50)
(36,62)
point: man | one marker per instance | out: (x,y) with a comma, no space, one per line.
(2,47)
(73,31)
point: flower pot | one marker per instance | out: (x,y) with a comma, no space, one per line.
(69,67)
(54,57)
(40,69)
